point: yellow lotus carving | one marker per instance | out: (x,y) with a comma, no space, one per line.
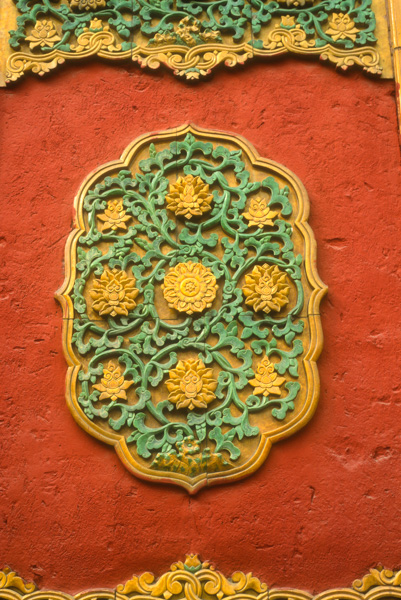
(113,384)
(341,27)
(259,213)
(191,384)
(189,196)
(114,293)
(114,216)
(43,34)
(266,379)
(266,288)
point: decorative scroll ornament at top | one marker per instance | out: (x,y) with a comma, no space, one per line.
(197,580)
(191,37)
(191,308)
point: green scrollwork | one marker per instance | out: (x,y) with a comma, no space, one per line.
(188,296)
(343,24)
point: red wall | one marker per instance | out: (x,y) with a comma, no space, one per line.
(326,505)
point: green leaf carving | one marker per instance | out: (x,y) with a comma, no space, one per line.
(136,231)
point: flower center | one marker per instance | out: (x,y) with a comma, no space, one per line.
(265,373)
(189,198)
(115,294)
(265,288)
(190,287)
(191,385)
(267,377)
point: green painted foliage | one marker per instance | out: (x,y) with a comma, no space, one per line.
(227,337)
(191,23)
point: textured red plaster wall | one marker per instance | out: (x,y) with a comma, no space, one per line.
(326,505)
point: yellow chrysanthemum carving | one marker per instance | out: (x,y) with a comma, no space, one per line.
(266,381)
(259,213)
(190,287)
(114,216)
(114,293)
(189,196)
(341,27)
(191,384)
(113,384)
(266,288)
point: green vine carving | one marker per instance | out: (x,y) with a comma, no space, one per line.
(345,24)
(172,366)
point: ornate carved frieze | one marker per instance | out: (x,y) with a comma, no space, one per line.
(197,580)
(191,307)
(192,37)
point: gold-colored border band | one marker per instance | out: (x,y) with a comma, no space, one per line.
(197,580)
(395,28)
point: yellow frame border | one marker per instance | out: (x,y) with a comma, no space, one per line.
(196,580)
(394,10)
(193,484)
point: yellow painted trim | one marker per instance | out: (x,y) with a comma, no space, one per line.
(196,580)
(382,33)
(204,58)
(8,20)
(394,7)
(319,289)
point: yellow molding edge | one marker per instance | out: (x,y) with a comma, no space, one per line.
(394,7)
(197,580)
(382,32)
(8,19)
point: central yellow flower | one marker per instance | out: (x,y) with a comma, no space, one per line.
(189,287)
(113,384)
(341,27)
(114,216)
(266,288)
(189,196)
(191,384)
(266,379)
(259,213)
(114,293)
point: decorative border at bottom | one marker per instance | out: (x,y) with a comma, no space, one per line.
(197,580)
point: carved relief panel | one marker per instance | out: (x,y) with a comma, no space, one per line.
(193,38)
(191,307)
